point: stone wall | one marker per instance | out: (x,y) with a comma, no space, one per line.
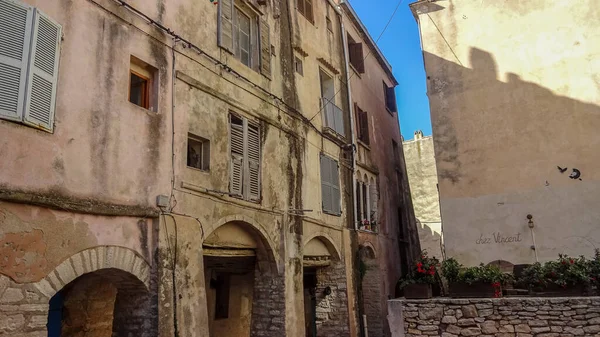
(268,305)
(332,309)
(371,296)
(518,317)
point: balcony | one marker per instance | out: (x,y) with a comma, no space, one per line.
(333,117)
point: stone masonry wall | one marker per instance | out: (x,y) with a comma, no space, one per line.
(332,310)
(518,317)
(268,305)
(371,299)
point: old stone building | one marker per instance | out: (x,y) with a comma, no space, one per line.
(386,234)
(180,168)
(422,176)
(513,90)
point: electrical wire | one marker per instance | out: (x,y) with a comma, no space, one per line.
(365,58)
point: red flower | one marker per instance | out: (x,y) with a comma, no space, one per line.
(419,264)
(593,279)
(432,272)
(563,262)
(572,261)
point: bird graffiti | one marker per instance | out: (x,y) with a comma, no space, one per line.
(562,170)
(575,174)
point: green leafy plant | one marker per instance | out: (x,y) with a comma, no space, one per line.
(423,271)
(454,272)
(594,269)
(451,269)
(564,272)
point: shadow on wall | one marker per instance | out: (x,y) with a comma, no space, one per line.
(503,124)
(430,240)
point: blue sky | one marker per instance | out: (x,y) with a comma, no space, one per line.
(402,48)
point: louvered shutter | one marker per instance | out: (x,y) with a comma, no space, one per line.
(253,162)
(225,23)
(326,196)
(356,56)
(339,121)
(265,48)
(43,72)
(237,158)
(15,27)
(364,126)
(335,187)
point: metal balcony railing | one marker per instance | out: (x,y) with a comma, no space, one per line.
(333,116)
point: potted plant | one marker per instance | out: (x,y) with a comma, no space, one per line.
(566,276)
(476,282)
(594,270)
(417,283)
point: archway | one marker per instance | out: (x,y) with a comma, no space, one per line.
(100,293)
(325,298)
(242,282)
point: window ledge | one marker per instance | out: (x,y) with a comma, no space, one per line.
(363,144)
(367,231)
(332,214)
(334,136)
(198,170)
(355,71)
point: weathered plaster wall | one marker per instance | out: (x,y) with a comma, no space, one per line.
(496,317)
(377,161)
(511,101)
(422,176)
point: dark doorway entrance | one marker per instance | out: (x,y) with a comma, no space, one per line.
(310,302)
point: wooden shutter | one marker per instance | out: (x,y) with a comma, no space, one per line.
(390,98)
(225,23)
(43,72)
(308,8)
(237,157)
(265,48)
(335,187)
(326,197)
(364,126)
(356,56)
(15,33)
(253,162)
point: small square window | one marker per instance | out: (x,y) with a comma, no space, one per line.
(142,89)
(299,66)
(198,153)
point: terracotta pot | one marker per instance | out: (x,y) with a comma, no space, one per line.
(417,291)
(474,290)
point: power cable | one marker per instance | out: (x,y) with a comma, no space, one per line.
(366,57)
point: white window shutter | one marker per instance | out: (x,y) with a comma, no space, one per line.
(265,48)
(253,162)
(237,159)
(326,192)
(336,206)
(16,20)
(225,23)
(43,72)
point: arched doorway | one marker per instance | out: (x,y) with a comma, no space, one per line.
(104,303)
(325,297)
(370,291)
(243,289)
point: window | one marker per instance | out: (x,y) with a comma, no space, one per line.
(222,290)
(390,98)
(355,53)
(330,186)
(363,125)
(142,90)
(245,159)
(333,115)
(299,65)
(305,8)
(245,34)
(198,152)
(29,55)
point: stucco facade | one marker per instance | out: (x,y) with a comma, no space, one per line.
(382,199)
(422,176)
(513,90)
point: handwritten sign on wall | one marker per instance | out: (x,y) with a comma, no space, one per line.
(498,238)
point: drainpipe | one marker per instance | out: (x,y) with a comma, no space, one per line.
(352,126)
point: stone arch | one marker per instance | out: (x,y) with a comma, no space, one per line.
(328,241)
(367,250)
(358,176)
(92,260)
(505,266)
(267,245)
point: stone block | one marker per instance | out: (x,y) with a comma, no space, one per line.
(37,322)
(543,329)
(433,313)
(453,329)
(12,295)
(449,320)
(485,312)
(523,328)
(592,329)
(414,331)
(469,311)
(537,322)
(507,328)
(574,331)
(594,321)
(446,334)
(556,328)
(427,327)
(489,327)
(464,322)
(470,332)
(11,323)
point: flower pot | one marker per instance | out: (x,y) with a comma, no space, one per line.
(473,290)
(417,291)
(553,290)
